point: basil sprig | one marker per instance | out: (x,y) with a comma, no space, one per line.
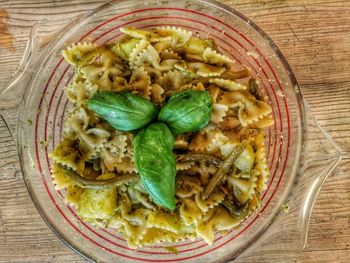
(186,111)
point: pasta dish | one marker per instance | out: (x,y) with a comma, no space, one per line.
(165,140)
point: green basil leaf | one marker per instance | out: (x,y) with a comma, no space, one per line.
(187,111)
(155,162)
(123,110)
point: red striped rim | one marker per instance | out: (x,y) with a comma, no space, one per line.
(36,130)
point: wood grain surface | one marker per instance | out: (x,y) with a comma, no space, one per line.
(313,35)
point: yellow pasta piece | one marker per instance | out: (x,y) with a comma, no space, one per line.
(139,47)
(66,154)
(125,46)
(87,151)
(211,56)
(188,185)
(155,236)
(97,204)
(109,160)
(184,166)
(163,220)
(77,121)
(261,163)
(214,92)
(179,36)
(200,69)
(161,46)
(218,113)
(243,189)
(203,139)
(133,234)
(147,56)
(138,197)
(197,45)
(125,166)
(217,219)
(95,137)
(80,53)
(60,178)
(157,94)
(169,54)
(119,84)
(213,200)
(265,122)
(221,144)
(181,142)
(189,211)
(124,204)
(73,194)
(229,123)
(144,34)
(140,83)
(117,145)
(102,75)
(228,84)
(133,227)
(249,109)
(171,80)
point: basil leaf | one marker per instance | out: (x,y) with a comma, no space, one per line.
(123,110)
(155,162)
(187,111)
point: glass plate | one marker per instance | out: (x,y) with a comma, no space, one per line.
(298,167)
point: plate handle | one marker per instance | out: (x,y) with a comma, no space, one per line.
(12,94)
(287,234)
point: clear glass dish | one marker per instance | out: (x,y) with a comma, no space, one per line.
(300,154)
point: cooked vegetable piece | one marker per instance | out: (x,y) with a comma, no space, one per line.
(99,184)
(97,204)
(124,47)
(187,111)
(245,161)
(195,157)
(235,210)
(224,168)
(156,163)
(123,110)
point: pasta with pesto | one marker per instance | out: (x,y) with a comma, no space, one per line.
(154,65)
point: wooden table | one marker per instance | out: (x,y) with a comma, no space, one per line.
(315,38)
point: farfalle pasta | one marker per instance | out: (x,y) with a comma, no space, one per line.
(95,162)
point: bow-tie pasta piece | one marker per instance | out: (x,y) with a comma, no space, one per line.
(81,54)
(144,34)
(250,110)
(178,36)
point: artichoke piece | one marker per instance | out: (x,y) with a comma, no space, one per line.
(245,161)
(97,204)
(124,47)
(236,211)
